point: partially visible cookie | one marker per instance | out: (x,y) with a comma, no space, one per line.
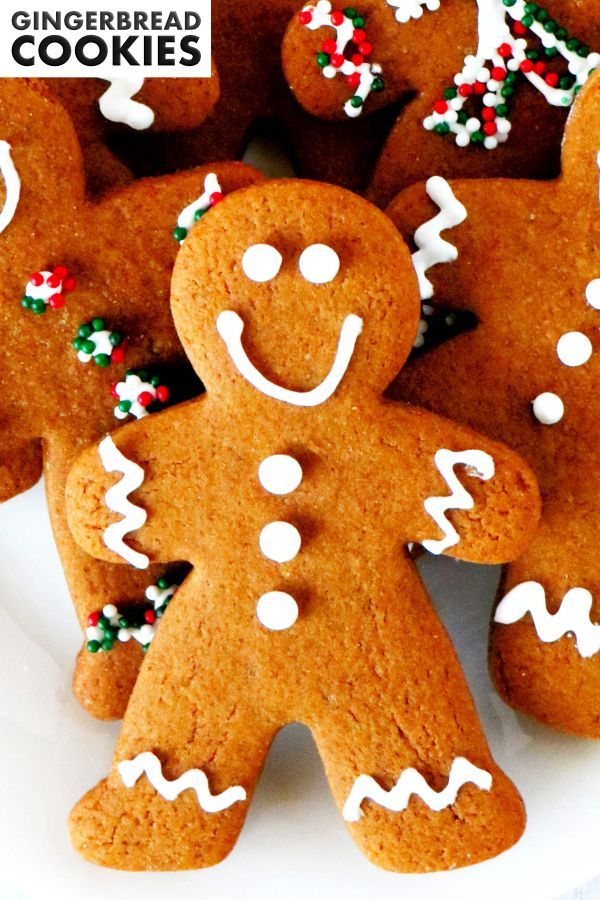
(86,342)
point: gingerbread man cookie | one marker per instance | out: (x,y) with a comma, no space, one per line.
(83,312)
(99,109)
(485,85)
(527,265)
(293,487)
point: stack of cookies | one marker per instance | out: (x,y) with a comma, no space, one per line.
(280,390)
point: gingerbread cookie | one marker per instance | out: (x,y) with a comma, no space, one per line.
(527,265)
(293,488)
(99,109)
(86,340)
(485,86)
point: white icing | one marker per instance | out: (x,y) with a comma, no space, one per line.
(280,541)
(187,216)
(195,779)
(592,293)
(432,248)
(412,9)
(493,31)
(159,596)
(479,465)
(116,103)
(573,615)
(277,610)
(280,474)
(12,184)
(130,390)
(230,327)
(548,408)
(102,344)
(319,264)
(261,262)
(412,782)
(367,72)
(574,349)
(117,500)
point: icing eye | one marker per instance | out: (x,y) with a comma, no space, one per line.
(319,264)
(261,262)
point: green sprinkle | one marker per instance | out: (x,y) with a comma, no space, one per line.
(527,21)
(155,381)
(125,406)
(84,331)
(97,324)
(356,102)
(180,234)
(378,84)
(462,117)
(198,214)
(93,646)
(477,137)
(107,644)
(358,21)
(350,12)
(26,302)
(442,128)
(38,307)
(123,622)
(87,347)
(102,360)
(115,338)
(322,60)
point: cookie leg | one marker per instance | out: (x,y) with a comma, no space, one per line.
(404,752)
(192,747)
(545,641)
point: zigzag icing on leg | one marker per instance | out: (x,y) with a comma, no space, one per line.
(116,103)
(117,500)
(433,248)
(412,782)
(195,779)
(572,617)
(480,465)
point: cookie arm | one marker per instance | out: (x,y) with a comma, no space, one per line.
(475,499)
(124,498)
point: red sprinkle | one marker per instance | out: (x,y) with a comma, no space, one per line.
(56,301)
(118,354)
(36,279)
(526,66)
(162,393)
(150,616)
(353,80)
(519,28)
(215,198)
(305,17)
(539,68)
(505,50)
(60,272)
(440,106)
(465,90)
(337,60)
(69,284)
(145,398)
(358,59)
(358,35)
(488,114)
(337,17)
(113,390)
(498,74)
(479,87)
(490,128)
(53,281)
(552,79)
(93,619)
(365,48)
(329,46)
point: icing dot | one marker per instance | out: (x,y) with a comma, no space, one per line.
(261,262)
(574,348)
(592,293)
(548,408)
(319,264)
(280,474)
(277,610)
(280,541)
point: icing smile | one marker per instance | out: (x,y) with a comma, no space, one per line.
(230,326)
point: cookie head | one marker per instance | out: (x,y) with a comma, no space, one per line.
(296,285)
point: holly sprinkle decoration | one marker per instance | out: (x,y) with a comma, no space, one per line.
(137,393)
(47,289)
(345,54)
(211,195)
(412,9)
(109,625)
(95,341)
(505,55)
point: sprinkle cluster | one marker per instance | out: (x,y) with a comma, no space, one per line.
(95,341)
(109,625)
(491,76)
(346,53)
(211,195)
(137,393)
(47,288)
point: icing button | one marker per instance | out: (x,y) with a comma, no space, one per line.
(280,474)
(280,541)
(277,610)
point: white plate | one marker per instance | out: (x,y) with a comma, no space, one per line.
(294,842)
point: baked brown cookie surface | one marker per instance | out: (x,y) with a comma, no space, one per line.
(527,264)
(293,488)
(84,300)
(485,86)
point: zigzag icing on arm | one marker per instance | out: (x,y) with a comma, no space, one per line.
(116,103)
(412,9)
(117,500)
(479,465)
(194,779)
(433,248)
(572,617)
(12,184)
(412,782)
